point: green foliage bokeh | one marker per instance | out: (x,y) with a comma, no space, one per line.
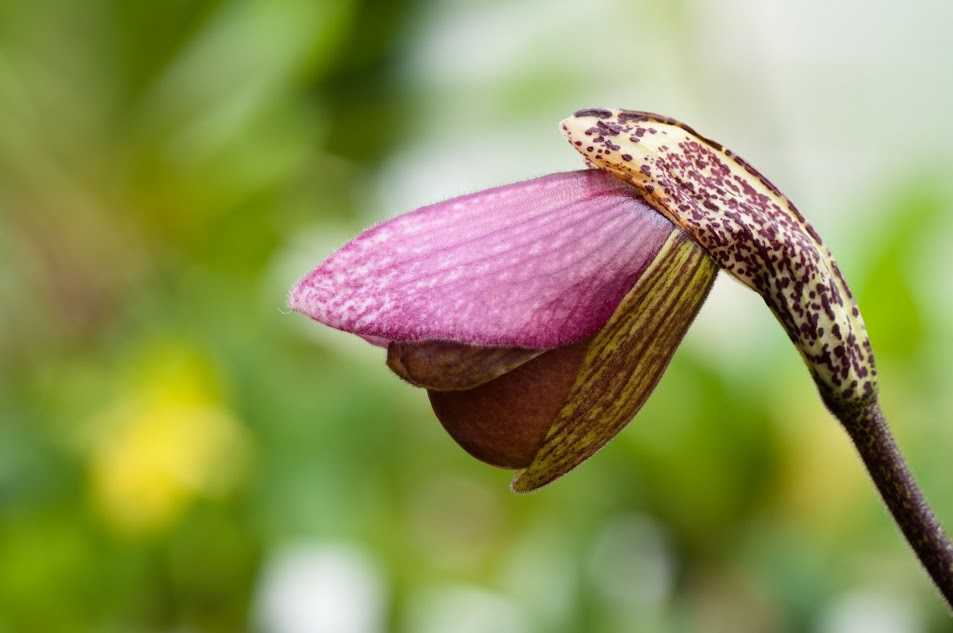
(170,434)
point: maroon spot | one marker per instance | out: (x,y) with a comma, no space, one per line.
(609,129)
(627,157)
(599,113)
(628,116)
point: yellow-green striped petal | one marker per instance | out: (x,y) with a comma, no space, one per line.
(625,360)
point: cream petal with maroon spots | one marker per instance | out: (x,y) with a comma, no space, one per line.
(749,227)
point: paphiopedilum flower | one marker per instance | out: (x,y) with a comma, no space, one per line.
(541,315)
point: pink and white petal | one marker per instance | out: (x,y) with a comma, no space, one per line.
(535,264)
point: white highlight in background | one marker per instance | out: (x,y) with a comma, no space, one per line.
(308,588)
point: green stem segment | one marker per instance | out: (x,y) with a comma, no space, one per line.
(868,429)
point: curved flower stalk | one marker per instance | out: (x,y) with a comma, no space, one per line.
(541,315)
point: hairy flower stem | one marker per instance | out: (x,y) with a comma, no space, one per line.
(868,429)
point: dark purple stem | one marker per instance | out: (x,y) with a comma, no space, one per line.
(869,431)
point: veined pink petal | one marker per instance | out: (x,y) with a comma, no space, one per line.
(535,264)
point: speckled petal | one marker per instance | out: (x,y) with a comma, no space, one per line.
(749,227)
(536,264)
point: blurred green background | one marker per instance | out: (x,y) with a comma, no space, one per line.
(179,453)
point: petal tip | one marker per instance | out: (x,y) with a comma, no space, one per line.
(310,297)
(295,297)
(523,484)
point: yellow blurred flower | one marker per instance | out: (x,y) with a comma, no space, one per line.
(167,439)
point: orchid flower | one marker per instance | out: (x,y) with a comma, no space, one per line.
(540,315)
